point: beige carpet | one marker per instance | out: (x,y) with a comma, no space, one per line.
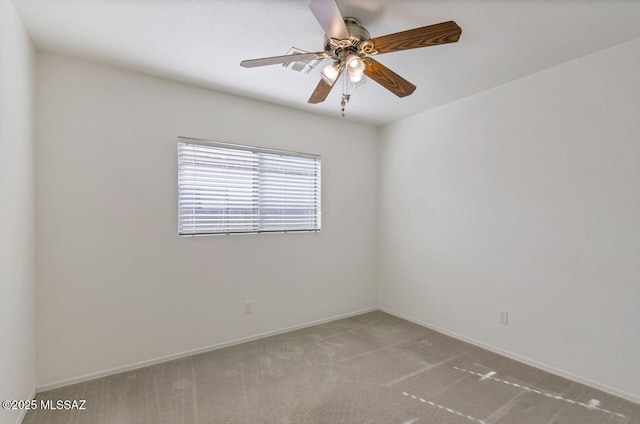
(373,368)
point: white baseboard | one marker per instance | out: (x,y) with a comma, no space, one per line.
(582,380)
(573,377)
(154,361)
(23,413)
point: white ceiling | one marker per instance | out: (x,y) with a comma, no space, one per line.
(203,41)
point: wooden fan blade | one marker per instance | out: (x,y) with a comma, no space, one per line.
(330,18)
(388,79)
(432,35)
(322,90)
(252,63)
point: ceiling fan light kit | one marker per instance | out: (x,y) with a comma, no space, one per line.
(350,47)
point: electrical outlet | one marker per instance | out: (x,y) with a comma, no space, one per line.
(503,317)
(247,307)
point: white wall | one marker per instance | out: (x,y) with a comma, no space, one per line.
(525,198)
(17,219)
(117,285)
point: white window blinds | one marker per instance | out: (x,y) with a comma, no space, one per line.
(226,189)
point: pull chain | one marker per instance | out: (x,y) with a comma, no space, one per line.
(345,94)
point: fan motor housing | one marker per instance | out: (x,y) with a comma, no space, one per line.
(357,35)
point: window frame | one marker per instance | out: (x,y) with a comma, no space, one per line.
(256,150)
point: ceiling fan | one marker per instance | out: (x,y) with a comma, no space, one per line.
(350,47)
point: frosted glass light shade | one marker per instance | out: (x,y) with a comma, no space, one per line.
(330,73)
(355,67)
(358,80)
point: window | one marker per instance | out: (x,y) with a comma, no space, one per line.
(227,188)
